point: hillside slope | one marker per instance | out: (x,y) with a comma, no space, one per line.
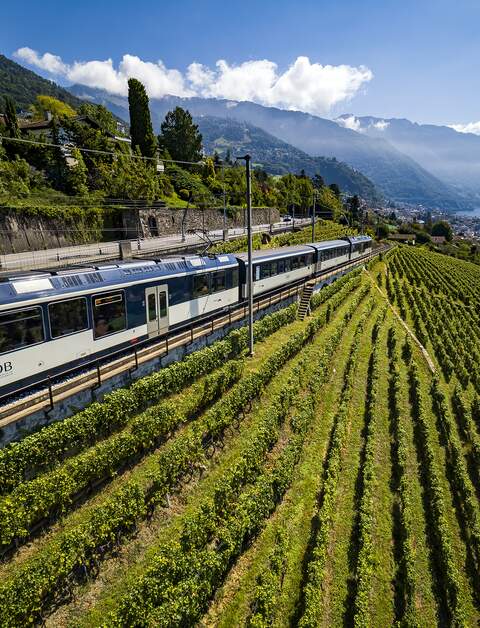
(277,157)
(398,176)
(24,86)
(454,157)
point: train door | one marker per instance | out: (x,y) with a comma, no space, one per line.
(156,303)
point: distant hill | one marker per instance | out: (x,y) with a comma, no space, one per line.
(278,157)
(451,156)
(24,86)
(397,175)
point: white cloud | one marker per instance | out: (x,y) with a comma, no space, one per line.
(350,122)
(304,86)
(470,127)
(50,63)
(381,125)
(355,124)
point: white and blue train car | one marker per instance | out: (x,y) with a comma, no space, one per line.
(330,254)
(52,321)
(275,268)
(359,245)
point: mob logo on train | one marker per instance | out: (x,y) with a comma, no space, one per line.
(6,368)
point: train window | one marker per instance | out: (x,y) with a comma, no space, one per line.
(287,265)
(294,263)
(280,266)
(21,328)
(152,307)
(109,314)
(273,269)
(162,299)
(200,286)
(67,317)
(218,281)
(257,272)
(265,270)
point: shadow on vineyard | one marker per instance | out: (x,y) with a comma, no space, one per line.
(330,480)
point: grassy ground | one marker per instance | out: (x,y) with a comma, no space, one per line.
(294,516)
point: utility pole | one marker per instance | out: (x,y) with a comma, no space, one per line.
(313,214)
(247,159)
(184,217)
(225,236)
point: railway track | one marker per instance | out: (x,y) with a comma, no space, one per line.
(45,398)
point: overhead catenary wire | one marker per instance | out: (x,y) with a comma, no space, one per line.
(111,153)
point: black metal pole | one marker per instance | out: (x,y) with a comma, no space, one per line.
(250,263)
(313,215)
(247,159)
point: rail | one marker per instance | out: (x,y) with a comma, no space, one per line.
(100,370)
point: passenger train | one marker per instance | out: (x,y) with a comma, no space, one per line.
(53,321)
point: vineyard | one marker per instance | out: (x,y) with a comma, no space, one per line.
(332,479)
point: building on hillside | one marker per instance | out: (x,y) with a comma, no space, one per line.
(406,238)
(44,127)
(438,239)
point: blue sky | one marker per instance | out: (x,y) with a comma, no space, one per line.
(424,55)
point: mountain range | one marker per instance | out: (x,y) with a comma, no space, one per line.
(433,166)
(449,155)
(399,176)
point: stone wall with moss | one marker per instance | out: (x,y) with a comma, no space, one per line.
(33,228)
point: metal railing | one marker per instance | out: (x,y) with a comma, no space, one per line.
(91,375)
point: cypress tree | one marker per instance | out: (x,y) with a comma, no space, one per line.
(141,130)
(11,127)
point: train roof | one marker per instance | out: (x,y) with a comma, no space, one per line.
(284,251)
(328,244)
(358,238)
(29,286)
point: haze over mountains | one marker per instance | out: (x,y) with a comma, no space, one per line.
(434,166)
(451,156)
(394,172)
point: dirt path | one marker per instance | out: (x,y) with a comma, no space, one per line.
(425,353)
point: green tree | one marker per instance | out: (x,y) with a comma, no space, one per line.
(288,191)
(305,192)
(180,136)
(141,130)
(327,201)
(382,231)
(11,122)
(318,181)
(335,189)
(76,174)
(56,107)
(130,179)
(101,115)
(354,208)
(443,228)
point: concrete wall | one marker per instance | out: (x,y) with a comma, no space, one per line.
(20,232)
(168,221)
